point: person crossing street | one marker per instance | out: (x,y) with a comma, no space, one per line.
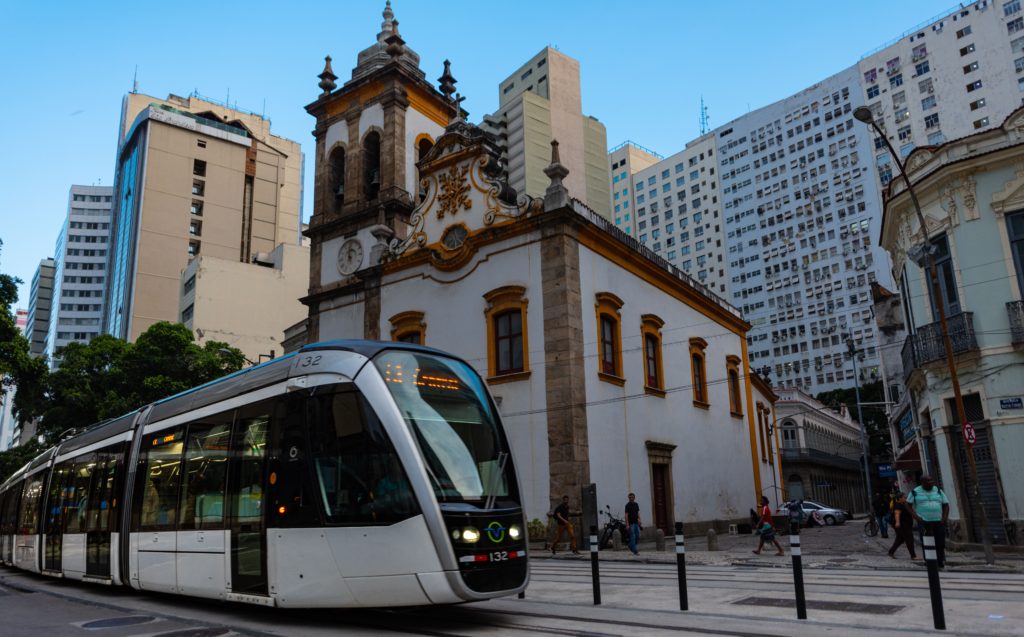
(633,523)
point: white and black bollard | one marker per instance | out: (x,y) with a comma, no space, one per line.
(798,572)
(930,560)
(684,602)
(595,574)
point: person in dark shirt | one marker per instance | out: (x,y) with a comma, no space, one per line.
(903,524)
(633,523)
(564,526)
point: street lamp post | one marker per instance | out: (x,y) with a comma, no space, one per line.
(863,114)
(860,419)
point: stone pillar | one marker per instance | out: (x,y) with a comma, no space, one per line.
(392,145)
(568,446)
(353,162)
(371,303)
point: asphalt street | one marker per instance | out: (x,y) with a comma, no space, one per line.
(852,588)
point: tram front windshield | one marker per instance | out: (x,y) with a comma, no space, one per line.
(445,405)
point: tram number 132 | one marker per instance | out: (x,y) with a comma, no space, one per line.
(499,556)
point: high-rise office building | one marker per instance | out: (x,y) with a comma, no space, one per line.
(539,102)
(800,180)
(39,304)
(80,263)
(673,206)
(193,177)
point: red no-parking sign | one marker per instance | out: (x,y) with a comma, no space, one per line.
(970,435)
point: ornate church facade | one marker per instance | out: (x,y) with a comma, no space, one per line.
(608,365)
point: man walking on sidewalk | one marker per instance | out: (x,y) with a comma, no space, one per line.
(633,523)
(931,510)
(564,526)
(880,504)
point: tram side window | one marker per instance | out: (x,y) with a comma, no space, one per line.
(56,511)
(28,522)
(292,495)
(76,494)
(102,495)
(206,461)
(159,476)
(10,511)
(360,477)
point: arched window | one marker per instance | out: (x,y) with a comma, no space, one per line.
(699,371)
(408,327)
(371,165)
(336,177)
(654,376)
(609,338)
(423,146)
(507,343)
(732,370)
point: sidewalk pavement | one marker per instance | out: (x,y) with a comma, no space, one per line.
(840,546)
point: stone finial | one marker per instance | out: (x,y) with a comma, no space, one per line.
(389,17)
(556,196)
(327,78)
(396,45)
(447,81)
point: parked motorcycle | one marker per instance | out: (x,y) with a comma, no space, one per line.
(604,540)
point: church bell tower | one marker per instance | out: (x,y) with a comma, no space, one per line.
(370,133)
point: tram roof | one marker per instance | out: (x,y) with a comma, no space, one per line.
(369,349)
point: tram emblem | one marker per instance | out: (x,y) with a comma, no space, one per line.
(495,532)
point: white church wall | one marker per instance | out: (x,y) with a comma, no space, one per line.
(712,474)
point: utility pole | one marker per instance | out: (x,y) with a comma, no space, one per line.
(853,352)
(926,259)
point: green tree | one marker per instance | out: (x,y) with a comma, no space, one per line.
(108,377)
(18,369)
(875,420)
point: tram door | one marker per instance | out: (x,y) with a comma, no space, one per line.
(101,516)
(248,473)
(54,519)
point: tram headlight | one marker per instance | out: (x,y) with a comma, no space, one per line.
(470,535)
(514,532)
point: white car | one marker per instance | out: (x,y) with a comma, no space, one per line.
(817,513)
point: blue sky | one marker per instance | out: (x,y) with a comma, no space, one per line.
(645,66)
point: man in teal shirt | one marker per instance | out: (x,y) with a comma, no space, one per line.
(931,510)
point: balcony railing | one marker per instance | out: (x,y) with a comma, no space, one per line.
(926,346)
(1015,312)
(817,456)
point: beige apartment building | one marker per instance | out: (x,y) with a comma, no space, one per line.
(194,177)
(247,305)
(539,102)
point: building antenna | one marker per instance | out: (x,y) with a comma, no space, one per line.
(704,119)
(135,80)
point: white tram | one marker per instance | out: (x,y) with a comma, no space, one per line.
(351,473)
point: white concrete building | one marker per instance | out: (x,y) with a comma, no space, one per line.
(800,202)
(799,184)
(80,269)
(678,214)
(962,73)
(624,160)
(971,193)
